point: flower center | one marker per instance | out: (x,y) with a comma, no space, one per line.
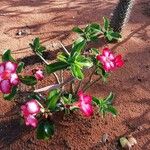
(5,75)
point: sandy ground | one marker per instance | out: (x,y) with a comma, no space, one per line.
(52,20)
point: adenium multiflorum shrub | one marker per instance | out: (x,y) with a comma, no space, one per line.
(39,108)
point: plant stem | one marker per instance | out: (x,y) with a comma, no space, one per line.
(72,86)
(89,85)
(54,86)
(78,87)
(90,77)
(65,50)
(42,58)
(55,75)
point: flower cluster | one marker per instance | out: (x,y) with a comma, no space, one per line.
(61,97)
(8,76)
(109,61)
(29,111)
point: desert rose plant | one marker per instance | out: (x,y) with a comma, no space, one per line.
(39,109)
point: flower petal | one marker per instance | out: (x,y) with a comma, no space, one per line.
(33,107)
(31,120)
(118,60)
(106,52)
(2,68)
(5,86)
(39,75)
(14,79)
(87,99)
(86,109)
(10,66)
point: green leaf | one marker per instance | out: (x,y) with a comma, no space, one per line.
(12,94)
(36,46)
(106,23)
(84,62)
(109,98)
(41,49)
(53,98)
(36,43)
(77,30)
(7,56)
(93,38)
(28,80)
(56,66)
(96,100)
(87,29)
(62,57)
(112,110)
(45,130)
(109,37)
(78,46)
(95,27)
(20,67)
(76,72)
(115,35)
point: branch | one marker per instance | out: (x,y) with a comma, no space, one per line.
(89,85)
(65,50)
(54,86)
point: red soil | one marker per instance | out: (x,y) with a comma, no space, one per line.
(52,21)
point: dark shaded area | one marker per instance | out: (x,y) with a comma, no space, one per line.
(10,128)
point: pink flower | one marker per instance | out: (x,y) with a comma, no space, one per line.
(38,73)
(31,120)
(109,61)
(85,104)
(29,111)
(8,76)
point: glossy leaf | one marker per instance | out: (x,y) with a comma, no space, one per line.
(112,110)
(76,72)
(62,57)
(84,62)
(28,80)
(78,46)
(95,27)
(52,99)
(96,100)
(7,56)
(77,30)
(106,23)
(56,66)
(45,130)
(20,67)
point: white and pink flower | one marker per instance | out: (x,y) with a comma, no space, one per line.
(109,61)
(85,104)
(38,74)
(29,111)
(8,76)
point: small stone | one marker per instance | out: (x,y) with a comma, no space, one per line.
(140,128)
(105,138)
(125,143)
(131,140)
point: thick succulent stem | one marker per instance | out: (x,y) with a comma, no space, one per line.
(121,14)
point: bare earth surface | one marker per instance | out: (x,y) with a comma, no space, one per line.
(52,20)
